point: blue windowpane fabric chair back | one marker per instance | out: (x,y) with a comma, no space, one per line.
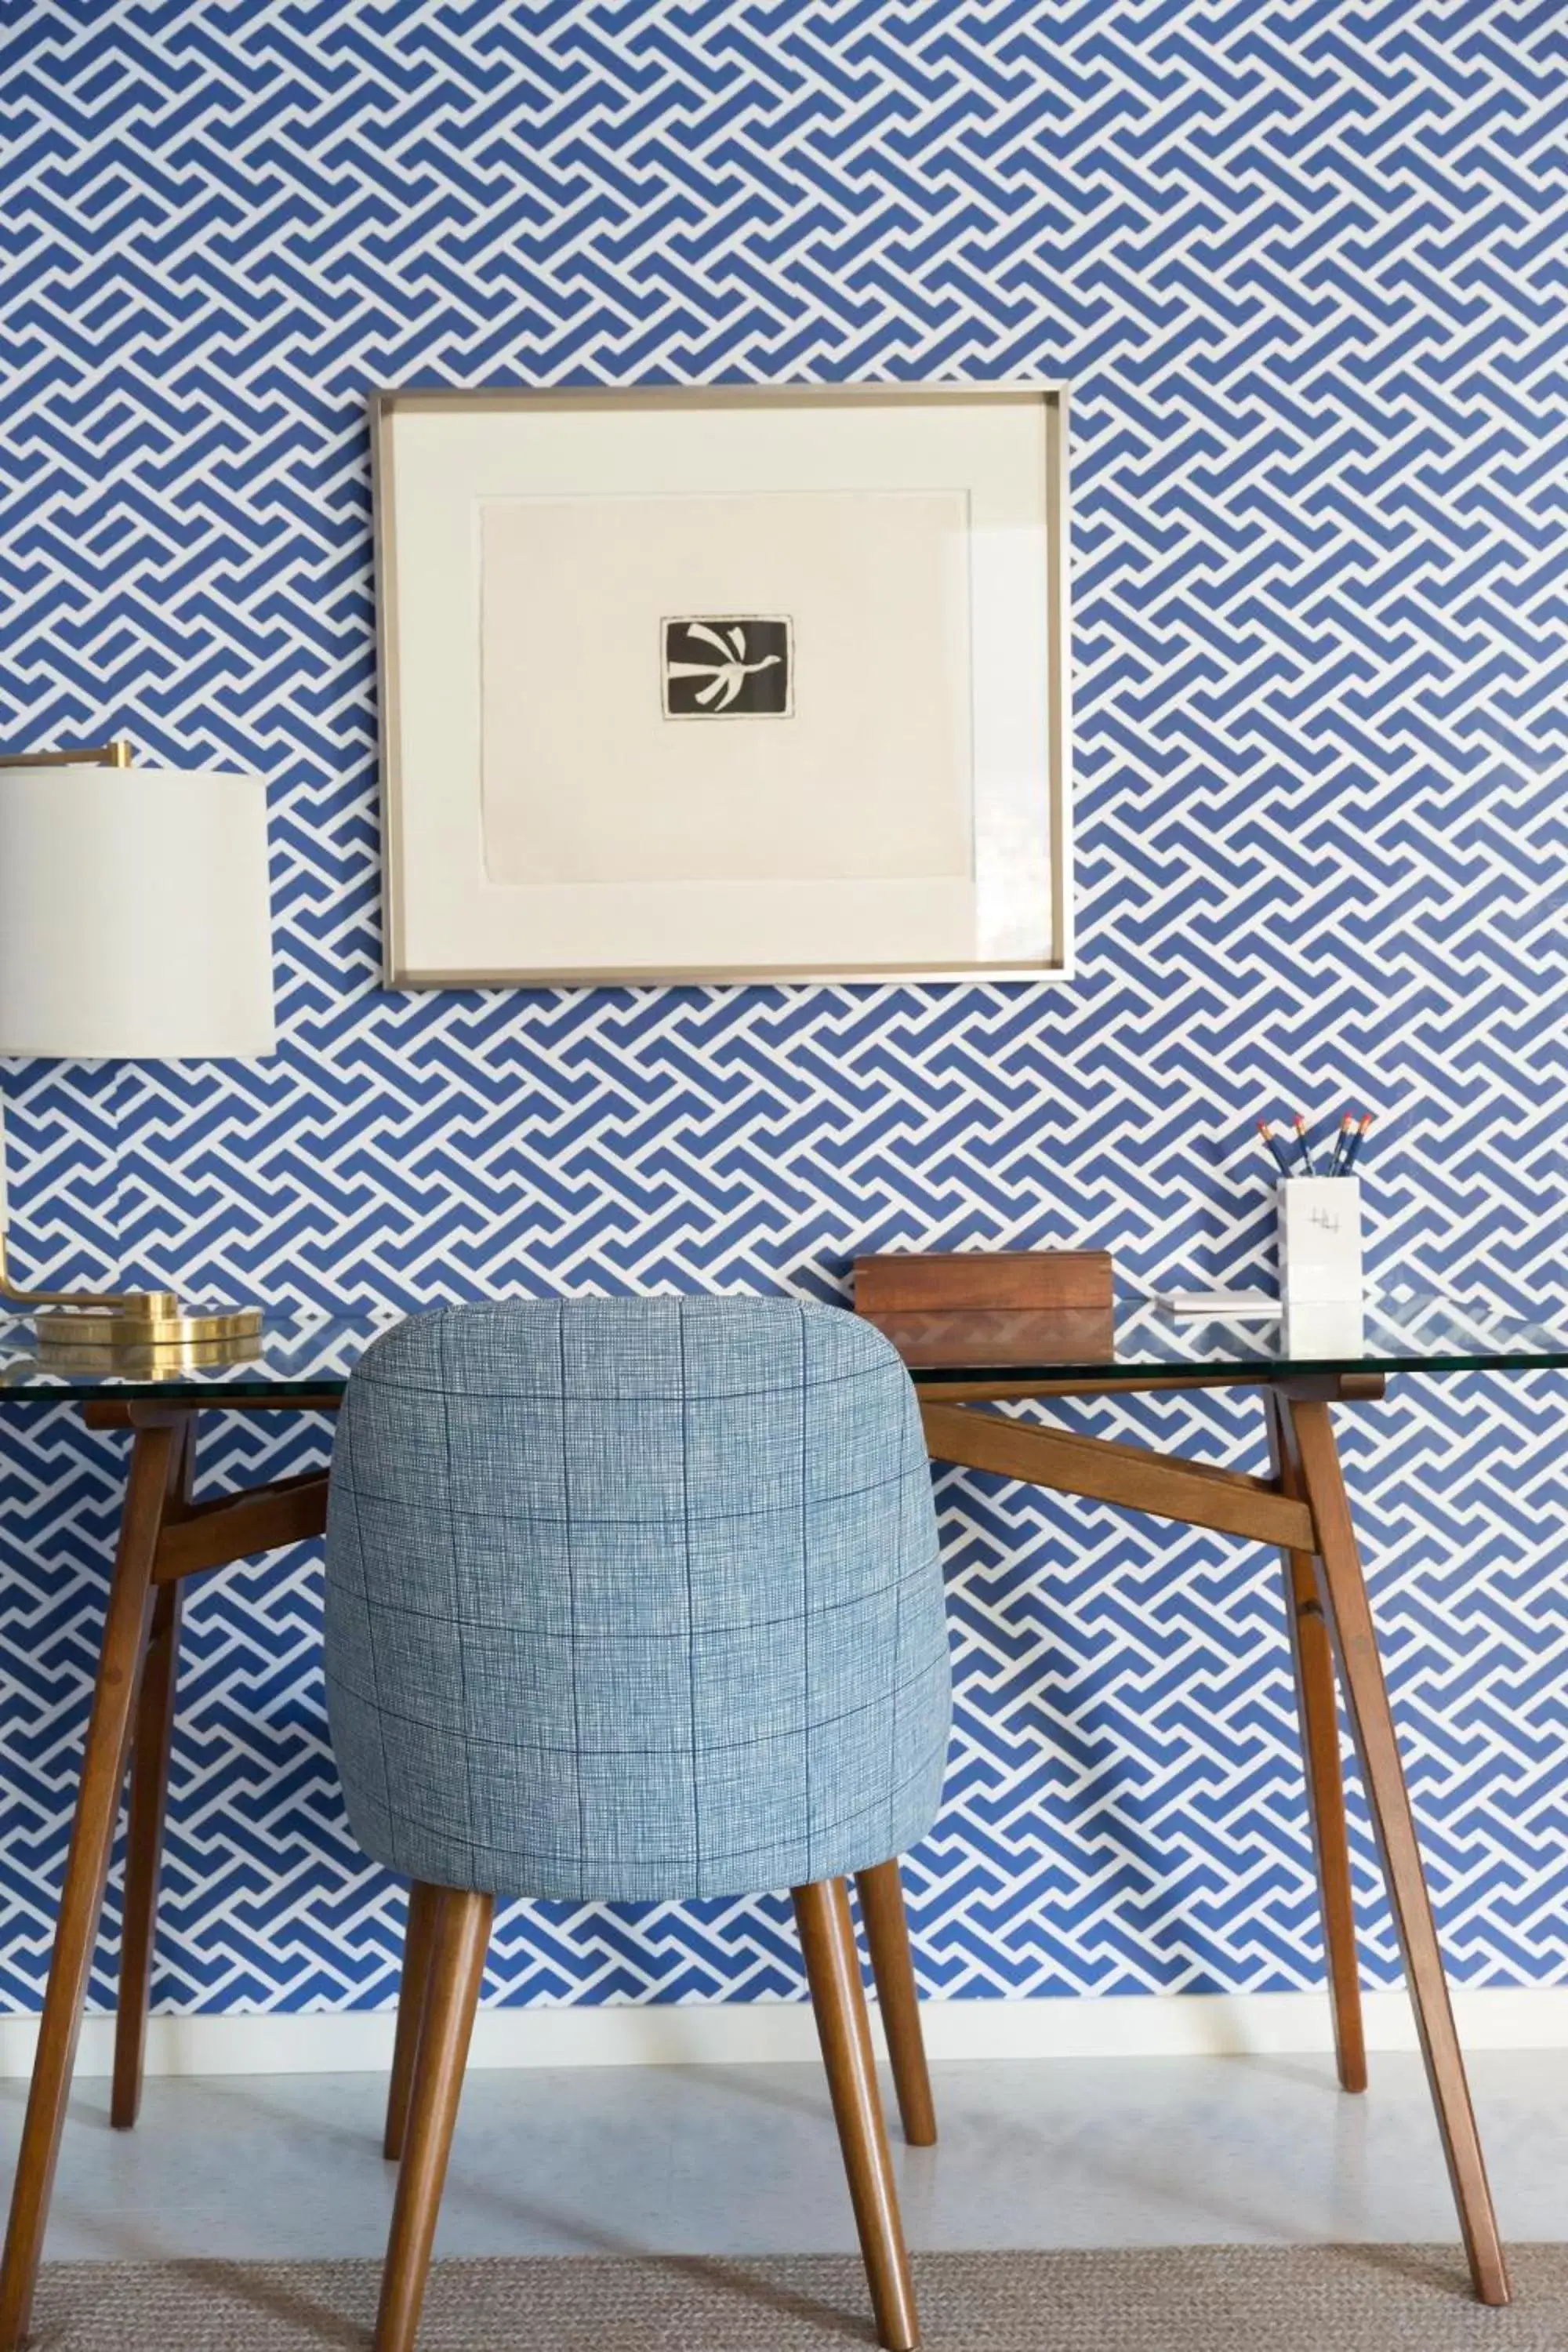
(635,1600)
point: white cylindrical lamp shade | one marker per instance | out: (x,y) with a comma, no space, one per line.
(135,916)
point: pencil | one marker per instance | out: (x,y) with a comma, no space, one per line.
(1275,1146)
(1357,1140)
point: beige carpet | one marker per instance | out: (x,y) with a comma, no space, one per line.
(1170,2299)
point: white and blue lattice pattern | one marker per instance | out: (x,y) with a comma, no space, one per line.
(1302,266)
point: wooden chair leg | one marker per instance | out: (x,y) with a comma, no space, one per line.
(1318,1712)
(87,1867)
(838,1998)
(881,1894)
(461,1938)
(1343,1590)
(143,1853)
(423,1904)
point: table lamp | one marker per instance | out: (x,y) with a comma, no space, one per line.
(134,924)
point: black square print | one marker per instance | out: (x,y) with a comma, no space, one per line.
(734,667)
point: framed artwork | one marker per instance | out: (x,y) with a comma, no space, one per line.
(723,685)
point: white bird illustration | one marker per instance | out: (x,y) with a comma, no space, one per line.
(725,677)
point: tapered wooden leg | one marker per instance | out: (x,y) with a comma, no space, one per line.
(461,1938)
(149,1802)
(423,1903)
(1318,1711)
(143,1853)
(1343,1590)
(881,1894)
(838,1998)
(87,1867)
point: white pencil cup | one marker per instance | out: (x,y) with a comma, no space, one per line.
(1319,1239)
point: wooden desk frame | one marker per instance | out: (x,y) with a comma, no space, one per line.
(1303,1510)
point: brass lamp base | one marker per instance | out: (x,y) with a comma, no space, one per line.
(152,1323)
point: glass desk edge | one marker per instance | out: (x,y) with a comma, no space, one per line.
(311,1357)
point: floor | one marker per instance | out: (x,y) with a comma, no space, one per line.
(722,2160)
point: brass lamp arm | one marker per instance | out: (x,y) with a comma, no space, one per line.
(87,755)
(27,1299)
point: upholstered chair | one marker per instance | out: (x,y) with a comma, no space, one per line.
(637,1602)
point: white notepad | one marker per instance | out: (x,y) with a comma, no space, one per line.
(1219,1302)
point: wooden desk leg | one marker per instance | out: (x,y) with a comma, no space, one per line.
(87,1867)
(143,1853)
(1343,1590)
(1318,1710)
(149,1802)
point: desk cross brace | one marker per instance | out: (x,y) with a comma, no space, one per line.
(166,1537)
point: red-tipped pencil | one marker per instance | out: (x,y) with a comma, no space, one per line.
(1357,1140)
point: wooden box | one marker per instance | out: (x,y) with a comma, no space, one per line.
(897,1283)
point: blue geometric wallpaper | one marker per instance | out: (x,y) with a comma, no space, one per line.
(1304,269)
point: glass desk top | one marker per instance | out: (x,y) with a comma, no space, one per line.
(310,1356)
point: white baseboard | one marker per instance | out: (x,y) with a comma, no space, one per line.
(738,2034)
